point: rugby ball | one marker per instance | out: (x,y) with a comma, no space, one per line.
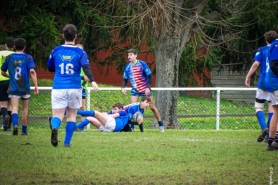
(137,116)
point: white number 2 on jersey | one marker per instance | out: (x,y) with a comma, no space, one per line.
(68,68)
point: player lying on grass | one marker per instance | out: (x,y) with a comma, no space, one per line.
(115,121)
(130,109)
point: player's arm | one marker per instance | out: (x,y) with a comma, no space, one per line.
(50,63)
(125,76)
(4,69)
(33,75)
(87,70)
(120,113)
(251,72)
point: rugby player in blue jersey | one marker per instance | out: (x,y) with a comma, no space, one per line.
(261,93)
(20,65)
(66,62)
(271,84)
(131,109)
(140,77)
(114,121)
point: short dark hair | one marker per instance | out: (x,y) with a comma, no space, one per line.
(19,43)
(10,42)
(146,98)
(119,105)
(270,36)
(134,51)
(69,32)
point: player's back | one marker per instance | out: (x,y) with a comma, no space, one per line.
(67,61)
(19,65)
(261,56)
(121,121)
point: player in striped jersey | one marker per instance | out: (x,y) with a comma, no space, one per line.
(140,77)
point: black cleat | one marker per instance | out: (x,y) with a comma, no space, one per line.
(24,134)
(262,135)
(54,137)
(15,131)
(7,122)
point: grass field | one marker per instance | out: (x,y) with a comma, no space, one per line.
(174,157)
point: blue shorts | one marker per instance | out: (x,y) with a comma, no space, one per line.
(135,93)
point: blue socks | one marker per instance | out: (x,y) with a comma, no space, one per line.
(261,119)
(82,124)
(86,112)
(15,119)
(55,122)
(160,123)
(24,129)
(70,127)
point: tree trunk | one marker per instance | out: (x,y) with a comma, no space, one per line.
(168,53)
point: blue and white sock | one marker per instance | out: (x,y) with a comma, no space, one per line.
(55,122)
(15,119)
(261,119)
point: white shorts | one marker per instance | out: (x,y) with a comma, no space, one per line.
(273,97)
(262,95)
(109,125)
(62,98)
(26,96)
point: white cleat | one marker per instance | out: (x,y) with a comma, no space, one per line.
(161,129)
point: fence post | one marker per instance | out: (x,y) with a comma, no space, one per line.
(88,107)
(217,108)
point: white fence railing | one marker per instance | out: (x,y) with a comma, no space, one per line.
(217,90)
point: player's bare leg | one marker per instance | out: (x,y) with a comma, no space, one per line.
(156,114)
(14,104)
(25,106)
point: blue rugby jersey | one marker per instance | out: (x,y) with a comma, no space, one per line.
(260,56)
(18,65)
(67,60)
(132,108)
(137,75)
(121,121)
(271,80)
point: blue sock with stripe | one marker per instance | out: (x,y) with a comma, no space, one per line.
(55,122)
(261,119)
(15,119)
(86,112)
(70,127)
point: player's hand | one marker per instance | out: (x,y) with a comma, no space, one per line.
(247,82)
(147,91)
(123,91)
(36,91)
(95,86)
(86,79)
(140,121)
